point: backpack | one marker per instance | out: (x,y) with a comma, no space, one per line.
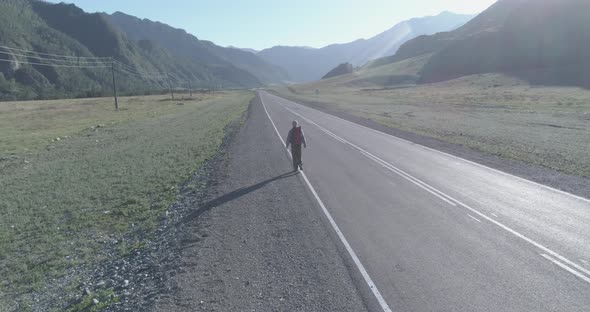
(297,135)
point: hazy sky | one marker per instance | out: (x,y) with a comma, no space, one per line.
(261,24)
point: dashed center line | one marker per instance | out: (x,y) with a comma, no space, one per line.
(474,218)
(548,254)
(384,306)
(383,163)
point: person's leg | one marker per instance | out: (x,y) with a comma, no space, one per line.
(298,151)
(294,156)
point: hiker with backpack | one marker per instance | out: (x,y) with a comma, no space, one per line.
(296,138)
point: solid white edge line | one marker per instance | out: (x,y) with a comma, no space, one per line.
(567,268)
(353,255)
(343,239)
(430,189)
(506,228)
(441,152)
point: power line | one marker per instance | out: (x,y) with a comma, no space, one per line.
(67,61)
(174,77)
(139,75)
(104,65)
(55,55)
(128,69)
(131,70)
(89,65)
(54,60)
(100,65)
(122,64)
(76,62)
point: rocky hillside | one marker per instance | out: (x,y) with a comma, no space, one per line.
(307,64)
(342,69)
(184,45)
(544,42)
(51,30)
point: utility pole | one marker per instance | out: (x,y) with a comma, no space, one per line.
(190,89)
(114,84)
(170,86)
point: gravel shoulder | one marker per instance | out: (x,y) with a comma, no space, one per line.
(257,242)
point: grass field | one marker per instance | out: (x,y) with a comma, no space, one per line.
(110,173)
(492,113)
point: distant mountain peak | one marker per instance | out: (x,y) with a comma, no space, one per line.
(544,42)
(243,49)
(184,45)
(306,64)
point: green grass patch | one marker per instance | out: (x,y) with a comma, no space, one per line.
(62,200)
(103,299)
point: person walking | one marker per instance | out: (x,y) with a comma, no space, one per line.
(295,139)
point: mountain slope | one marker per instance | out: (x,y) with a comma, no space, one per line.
(182,44)
(545,42)
(306,64)
(342,69)
(64,29)
(21,27)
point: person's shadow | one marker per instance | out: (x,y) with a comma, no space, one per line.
(233,195)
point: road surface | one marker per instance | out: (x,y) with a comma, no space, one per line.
(434,232)
(257,241)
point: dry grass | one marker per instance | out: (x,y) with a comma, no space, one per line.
(496,114)
(61,200)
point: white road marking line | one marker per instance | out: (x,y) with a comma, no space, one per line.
(386,165)
(335,137)
(441,152)
(525,238)
(474,218)
(567,268)
(383,163)
(494,215)
(464,194)
(504,227)
(343,239)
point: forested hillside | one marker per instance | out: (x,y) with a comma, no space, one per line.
(58,50)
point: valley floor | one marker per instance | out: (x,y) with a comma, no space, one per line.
(86,187)
(115,211)
(164,206)
(540,133)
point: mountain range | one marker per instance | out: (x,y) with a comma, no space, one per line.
(142,47)
(307,64)
(183,45)
(543,42)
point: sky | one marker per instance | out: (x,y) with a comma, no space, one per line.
(261,24)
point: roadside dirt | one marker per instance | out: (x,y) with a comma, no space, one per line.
(256,242)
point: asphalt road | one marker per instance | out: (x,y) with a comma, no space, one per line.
(258,242)
(439,233)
